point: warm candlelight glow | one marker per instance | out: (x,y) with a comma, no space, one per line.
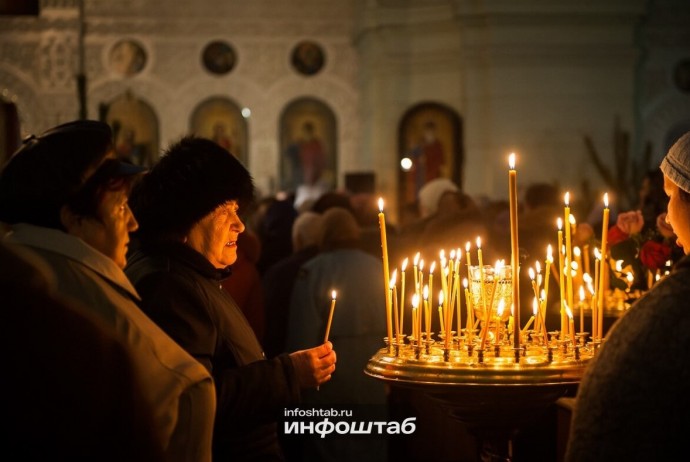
(432,267)
(606,200)
(479,242)
(511,161)
(330,317)
(403,267)
(381,204)
(440,297)
(559,223)
(394,277)
(567,199)
(333,294)
(416,259)
(549,254)
(530,271)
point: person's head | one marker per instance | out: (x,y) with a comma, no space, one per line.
(431,192)
(306,230)
(193,195)
(69,179)
(339,229)
(541,195)
(676,169)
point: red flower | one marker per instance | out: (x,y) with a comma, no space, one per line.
(654,255)
(616,235)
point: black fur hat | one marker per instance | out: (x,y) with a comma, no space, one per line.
(192,178)
(48,170)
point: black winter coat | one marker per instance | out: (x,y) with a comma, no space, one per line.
(182,293)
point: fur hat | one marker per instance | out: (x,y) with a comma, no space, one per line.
(48,170)
(676,164)
(192,178)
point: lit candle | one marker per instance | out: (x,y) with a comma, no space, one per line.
(440,311)
(330,317)
(402,294)
(386,275)
(604,266)
(468,257)
(561,277)
(394,295)
(547,273)
(427,312)
(577,266)
(480,258)
(515,254)
(432,267)
(595,297)
(568,251)
(585,257)
(571,323)
(535,288)
(415,318)
(582,309)
(470,309)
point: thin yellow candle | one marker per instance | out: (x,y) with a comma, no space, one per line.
(468,257)
(499,313)
(582,309)
(386,275)
(568,251)
(415,318)
(561,277)
(444,286)
(577,266)
(427,312)
(571,322)
(595,298)
(547,273)
(604,251)
(480,258)
(489,308)
(585,258)
(470,309)
(535,288)
(440,311)
(432,268)
(330,317)
(394,295)
(402,294)
(421,278)
(415,270)
(515,258)
(456,292)
(535,308)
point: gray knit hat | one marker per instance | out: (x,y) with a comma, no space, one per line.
(676,164)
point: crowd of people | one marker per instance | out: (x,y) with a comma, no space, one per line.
(201,309)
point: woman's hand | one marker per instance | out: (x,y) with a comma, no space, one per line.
(630,222)
(315,365)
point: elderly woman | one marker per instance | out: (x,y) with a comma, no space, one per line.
(188,208)
(633,402)
(65,197)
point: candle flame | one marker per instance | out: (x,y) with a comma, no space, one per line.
(571,219)
(394,278)
(440,297)
(567,199)
(415,300)
(577,251)
(458,255)
(498,266)
(442,254)
(416,259)
(421,265)
(511,161)
(468,246)
(530,271)
(537,266)
(549,254)
(535,306)
(464,283)
(582,293)
(629,277)
(333,295)
(597,253)
(568,312)
(606,200)
(381,204)
(479,242)
(619,266)
(559,223)
(425,292)
(452,255)
(432,267)
(404,265)
(587,278)
(501,307)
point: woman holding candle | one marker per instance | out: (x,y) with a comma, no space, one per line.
(187,207)
(633,401)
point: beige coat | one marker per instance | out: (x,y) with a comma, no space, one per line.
(180,389)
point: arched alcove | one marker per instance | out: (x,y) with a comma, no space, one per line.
(308,145)
(220,119)
(429,146)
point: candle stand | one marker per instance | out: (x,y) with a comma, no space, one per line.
(493,391)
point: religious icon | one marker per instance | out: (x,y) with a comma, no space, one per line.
(218,58)
(307,58)
(127,58)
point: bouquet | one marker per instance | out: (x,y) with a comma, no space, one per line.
(647,251)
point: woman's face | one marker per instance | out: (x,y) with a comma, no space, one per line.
(109,234)
(678,215)
(215,235)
